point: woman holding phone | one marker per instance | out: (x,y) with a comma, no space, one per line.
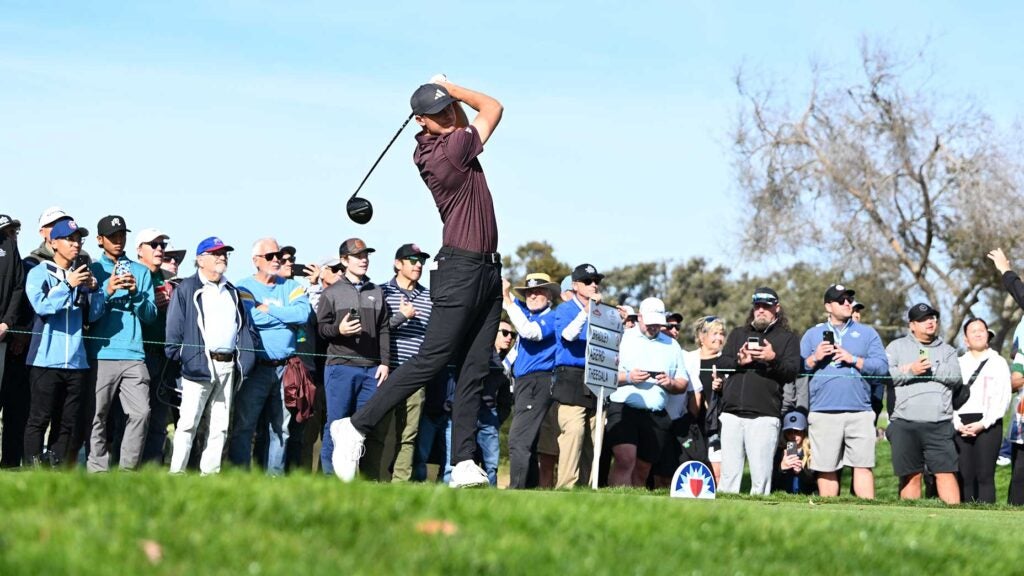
(979,422)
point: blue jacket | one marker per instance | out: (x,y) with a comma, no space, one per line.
(117,334)
(185,342)
(288,310)
(570,352)
(536,355)
(57,329)
(844,388)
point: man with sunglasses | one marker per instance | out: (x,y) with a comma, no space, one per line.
(576,404)
(410,306)
(149,248)
(467,280)
(764,355)
(838,354)
(116,343)
(172,260)
(276,306)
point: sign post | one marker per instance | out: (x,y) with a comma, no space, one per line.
(601,372)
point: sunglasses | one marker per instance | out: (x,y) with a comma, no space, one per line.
(672,326)
(590,281)
(415,259)
(156,244)
(270,256)
(217,254)
(506,332)
(844,300)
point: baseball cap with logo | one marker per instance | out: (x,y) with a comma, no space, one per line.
(652,312)
(765,295)
(921,311)
(794,421)
(430,99)
(65,228)
(212,244)
(109,225)
(836,292)
(147,235)
(353,246)
(51,215)
(537,280)
(409,250)
(585,272)
(7,222)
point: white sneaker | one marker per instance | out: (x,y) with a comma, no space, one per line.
(467,474)
(348,449)
(1002,461)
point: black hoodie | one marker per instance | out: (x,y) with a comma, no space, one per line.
(12,281)
(756,389)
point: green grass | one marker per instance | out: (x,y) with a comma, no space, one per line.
(239,523)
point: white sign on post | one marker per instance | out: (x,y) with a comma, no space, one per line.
(601,373)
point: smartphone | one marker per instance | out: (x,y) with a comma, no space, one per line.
(122,267)
(829,336)
(654,373)
(791,449)
(353,314)
(754,342)
(922,353)
(298,269)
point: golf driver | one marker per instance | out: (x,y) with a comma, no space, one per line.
(359,209)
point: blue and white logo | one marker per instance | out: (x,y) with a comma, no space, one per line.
(693,480)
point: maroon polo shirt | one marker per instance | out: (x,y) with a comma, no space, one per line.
(449,167)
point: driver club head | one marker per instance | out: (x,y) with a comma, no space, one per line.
(359,210)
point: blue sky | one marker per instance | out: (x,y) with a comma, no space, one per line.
(248,119)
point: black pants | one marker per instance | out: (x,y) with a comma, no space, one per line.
(1016,497)
(14,402)
(53,389)
(466,293)
(978,464)
(532,399)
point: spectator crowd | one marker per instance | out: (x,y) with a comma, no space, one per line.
(101,356)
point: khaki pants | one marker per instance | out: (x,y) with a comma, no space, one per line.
(407,423)
(577,426)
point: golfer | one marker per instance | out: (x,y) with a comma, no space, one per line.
(465,283)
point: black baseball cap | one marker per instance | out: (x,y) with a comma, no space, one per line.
(289,250)
(765,295)
(7,222)
(836,292)
(921,311)
(409,250)
(111,225)
(858,305)
(430,99)
(585,272)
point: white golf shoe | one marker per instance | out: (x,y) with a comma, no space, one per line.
(467,474)
(348,449)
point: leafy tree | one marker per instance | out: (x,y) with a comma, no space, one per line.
(874,175)
(534,256)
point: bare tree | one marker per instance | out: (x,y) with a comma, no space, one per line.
(877,177)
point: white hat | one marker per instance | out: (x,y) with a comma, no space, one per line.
(51,215)
(329,262)
(148,235)
(652,312)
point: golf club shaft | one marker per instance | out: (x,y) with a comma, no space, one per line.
(386,148)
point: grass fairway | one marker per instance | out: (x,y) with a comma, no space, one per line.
(237,523)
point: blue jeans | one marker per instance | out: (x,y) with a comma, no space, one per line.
(260,390)
(430,427)
(487,441)
(347,389)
